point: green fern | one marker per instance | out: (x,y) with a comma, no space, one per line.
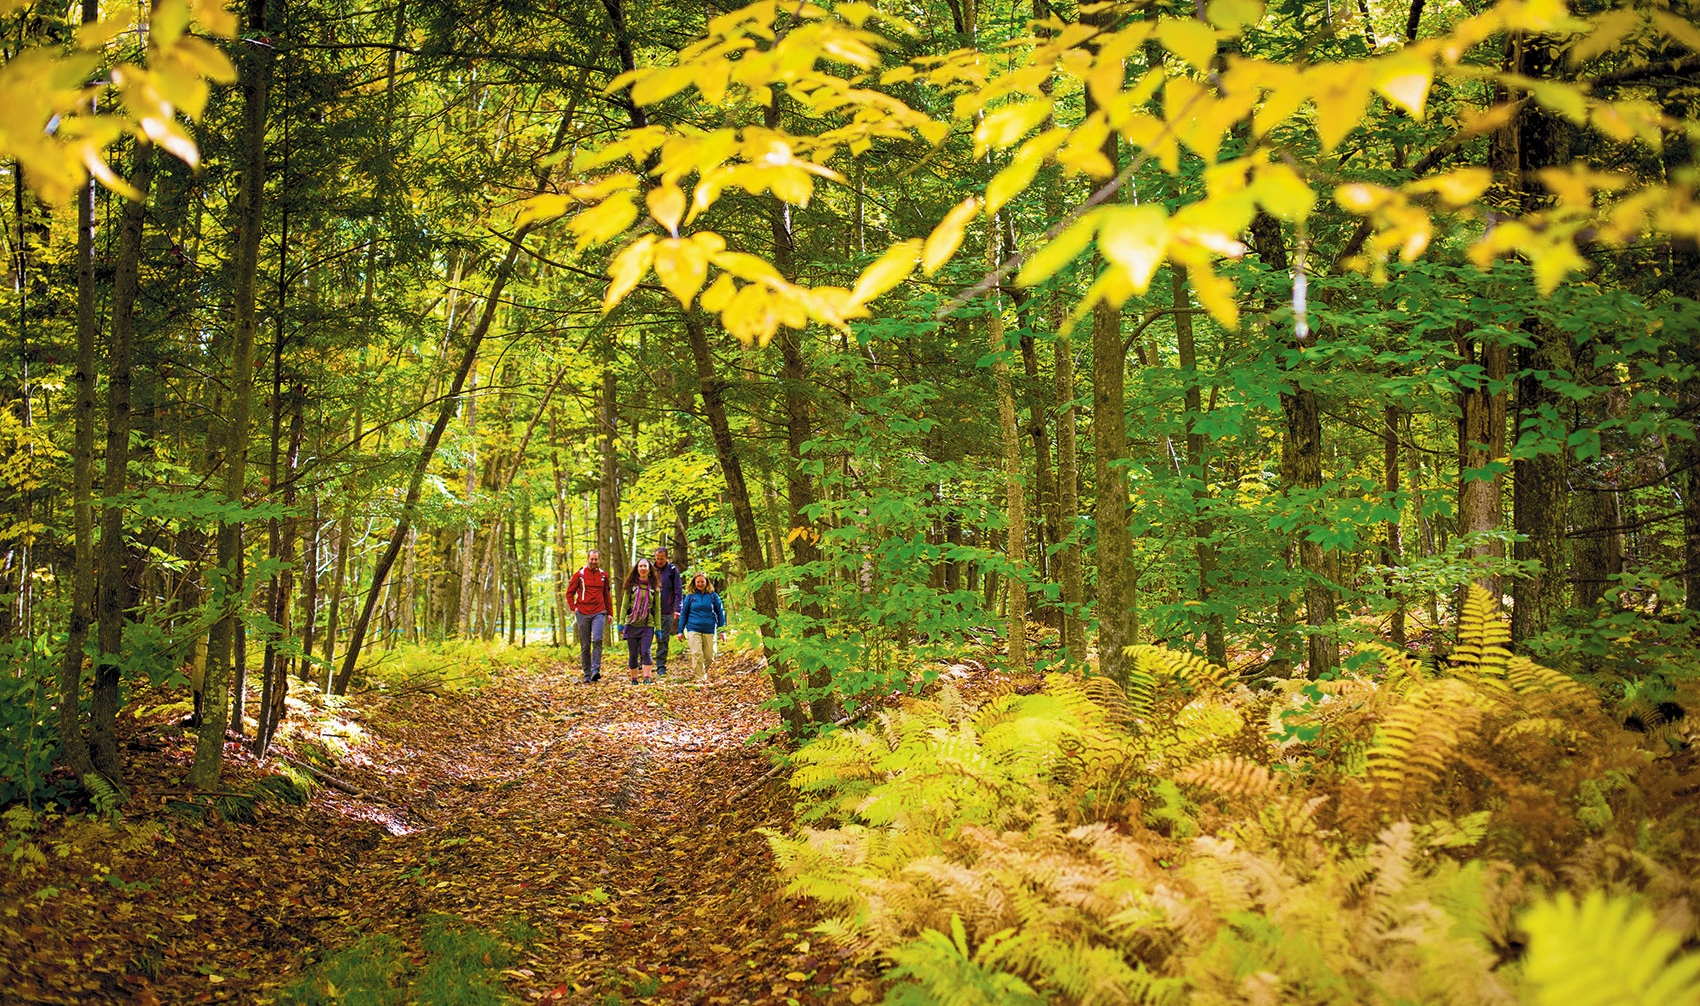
(1606,951)
(104,797)
(939,970)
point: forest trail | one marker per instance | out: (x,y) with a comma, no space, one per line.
(610,825)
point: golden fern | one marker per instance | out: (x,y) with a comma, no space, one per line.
(1528,678)
(1416,740)
(1232,775)
(1484,637)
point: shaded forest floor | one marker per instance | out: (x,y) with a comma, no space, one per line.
(604,836)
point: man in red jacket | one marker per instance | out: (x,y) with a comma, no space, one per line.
(591,594)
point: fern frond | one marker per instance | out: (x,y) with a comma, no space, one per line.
(1165,664)
(1605,951)
(1230,775)
(1110,698)
(1484,637)
(1552,727)
(1529,678)
(1400,664)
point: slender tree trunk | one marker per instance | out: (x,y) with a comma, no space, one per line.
(1015,494)
(1117,615)
(339,580)
(1198,468)
(1393,553)
(74,749)
(469,568)
(713,390)
(275,684)
(256,84)
(112,600)
(609,537)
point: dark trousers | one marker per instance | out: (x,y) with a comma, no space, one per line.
(669,625)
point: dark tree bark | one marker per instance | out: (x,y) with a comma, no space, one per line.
(112,600)
(74,749)
(713,389)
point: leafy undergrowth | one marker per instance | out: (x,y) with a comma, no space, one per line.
(1487,831)
(600,838)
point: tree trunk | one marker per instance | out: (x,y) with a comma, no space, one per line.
(469,568)
(1015,495)
(1198,469)
(1393,552)
(1117,618)
(339,581)
(713,390)
(256,85)
(609,537)
(74,749)
(112,601)
(274,687)
(1539,485)
(1481,442)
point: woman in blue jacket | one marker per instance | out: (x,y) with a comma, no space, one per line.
(700,620)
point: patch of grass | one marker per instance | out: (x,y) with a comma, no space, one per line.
(452,666)
(461,966)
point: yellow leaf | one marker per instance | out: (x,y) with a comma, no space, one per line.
(1216,295)
(719,294)
(170,19)
(1565,99)
(1361,197)
(604,221)
(947,236)
(1213,226)
(1059,252)
(1012,180)
(1341,91)
(540,209)
(1608,30)
(1193,41)
(682,267)
(1284,91)
(796,976)
(1404,79)
(886,272)
(1283,193)
(860,995)
(660,83)
(667,205)
(1135,238)
(1456,188)
(603,187)
(1551,263)
(1678,28)
(1232,15)
(627,269)
(1000,129)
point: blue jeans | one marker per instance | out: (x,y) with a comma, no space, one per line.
(589,630)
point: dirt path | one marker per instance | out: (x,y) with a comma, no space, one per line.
(600,817)
(611,826)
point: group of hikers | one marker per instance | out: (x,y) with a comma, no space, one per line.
(652,609)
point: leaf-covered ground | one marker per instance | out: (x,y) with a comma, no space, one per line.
(606,830)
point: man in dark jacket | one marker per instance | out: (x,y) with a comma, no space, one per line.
(670,595)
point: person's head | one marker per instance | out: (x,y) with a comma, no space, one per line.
(660,556)
(641,573)
(699,583)
(593,559)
